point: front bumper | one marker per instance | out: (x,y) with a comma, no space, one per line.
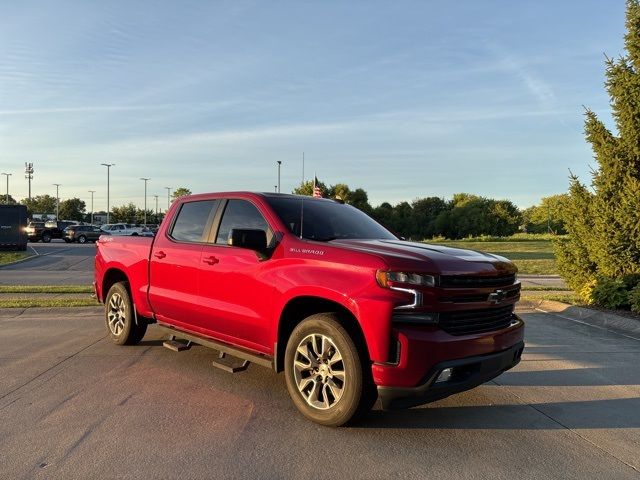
(466,373)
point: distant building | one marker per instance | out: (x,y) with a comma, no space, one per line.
(99,218)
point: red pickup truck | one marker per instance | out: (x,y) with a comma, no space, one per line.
(315,288)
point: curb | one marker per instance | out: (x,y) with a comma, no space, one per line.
(20,260)
(629,327)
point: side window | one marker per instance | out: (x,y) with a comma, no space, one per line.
(240,214)
(192,220)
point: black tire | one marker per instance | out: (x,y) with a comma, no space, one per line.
(119,317)
(357,394)
(82,239)
(46,237)
(134,234)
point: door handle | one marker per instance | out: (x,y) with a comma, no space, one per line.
(210,260)
(160,254)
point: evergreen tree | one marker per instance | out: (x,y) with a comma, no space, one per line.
(604,225)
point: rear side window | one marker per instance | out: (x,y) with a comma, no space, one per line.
(192,220)
(240,214)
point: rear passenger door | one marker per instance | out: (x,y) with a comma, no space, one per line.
(236,293)
(175,262)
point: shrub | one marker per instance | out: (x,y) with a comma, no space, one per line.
(586,292)
(634,299)
(609,293)
(602,219)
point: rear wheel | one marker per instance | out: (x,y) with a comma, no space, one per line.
(120,318)
(82,239)
(327,376)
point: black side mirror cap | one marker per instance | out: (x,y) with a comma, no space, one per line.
(248,238)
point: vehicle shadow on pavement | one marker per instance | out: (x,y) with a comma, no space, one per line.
(596,414)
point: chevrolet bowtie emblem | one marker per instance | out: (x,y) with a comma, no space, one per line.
(497,297)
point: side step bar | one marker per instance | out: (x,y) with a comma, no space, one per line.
(221,347)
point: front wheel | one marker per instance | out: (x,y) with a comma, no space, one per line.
(82,239)
(120,318)
(46,238)
(326,374)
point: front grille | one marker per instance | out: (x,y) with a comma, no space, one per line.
(468,322)
(466,281)
(478,297)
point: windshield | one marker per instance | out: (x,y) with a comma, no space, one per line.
(326,220)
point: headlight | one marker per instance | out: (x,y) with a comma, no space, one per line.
(385,279)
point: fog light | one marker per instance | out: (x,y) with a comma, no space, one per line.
(445,375)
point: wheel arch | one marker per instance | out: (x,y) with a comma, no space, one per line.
(111,277)
(301,307)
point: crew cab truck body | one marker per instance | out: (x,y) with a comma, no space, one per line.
(319,290)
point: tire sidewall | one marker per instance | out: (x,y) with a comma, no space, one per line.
(124,336)
(82,239)
(347,406)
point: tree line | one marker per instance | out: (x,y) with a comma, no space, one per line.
(465,215)
(76,209)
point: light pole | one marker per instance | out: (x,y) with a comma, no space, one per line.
(168,193)
(145,199)
(58,185)
(108,165)
(7,175)
(279,163)
(28,174)
(92,192)
(156,197)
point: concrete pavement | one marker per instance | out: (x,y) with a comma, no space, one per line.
(75,406)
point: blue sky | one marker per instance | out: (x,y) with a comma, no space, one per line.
(404,99)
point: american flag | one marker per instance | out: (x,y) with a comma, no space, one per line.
(317,193)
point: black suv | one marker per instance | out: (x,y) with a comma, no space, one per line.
(82,233)
(51,230)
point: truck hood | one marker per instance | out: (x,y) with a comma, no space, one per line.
(433,259)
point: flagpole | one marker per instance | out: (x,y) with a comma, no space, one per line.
(302,201)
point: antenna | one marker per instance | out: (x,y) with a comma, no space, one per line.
(302,201)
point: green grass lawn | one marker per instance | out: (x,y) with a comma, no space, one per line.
(8,257)
(532,255)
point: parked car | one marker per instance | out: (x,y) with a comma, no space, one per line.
(49,231)
(321,291)
(34,231)
(122,229)
(83,233)
(13,219)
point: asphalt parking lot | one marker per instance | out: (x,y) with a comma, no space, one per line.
(75,406)
(55,263)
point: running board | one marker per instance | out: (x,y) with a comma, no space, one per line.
(223,348)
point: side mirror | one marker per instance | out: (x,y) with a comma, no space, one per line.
(248,238)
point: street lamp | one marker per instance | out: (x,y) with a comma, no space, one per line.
(58,185)
(168,202)
(279,163)
(7,175)
(108,165)
(145,199)
(92,192)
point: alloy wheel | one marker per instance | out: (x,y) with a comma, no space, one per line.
(319,371)
(116,314)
